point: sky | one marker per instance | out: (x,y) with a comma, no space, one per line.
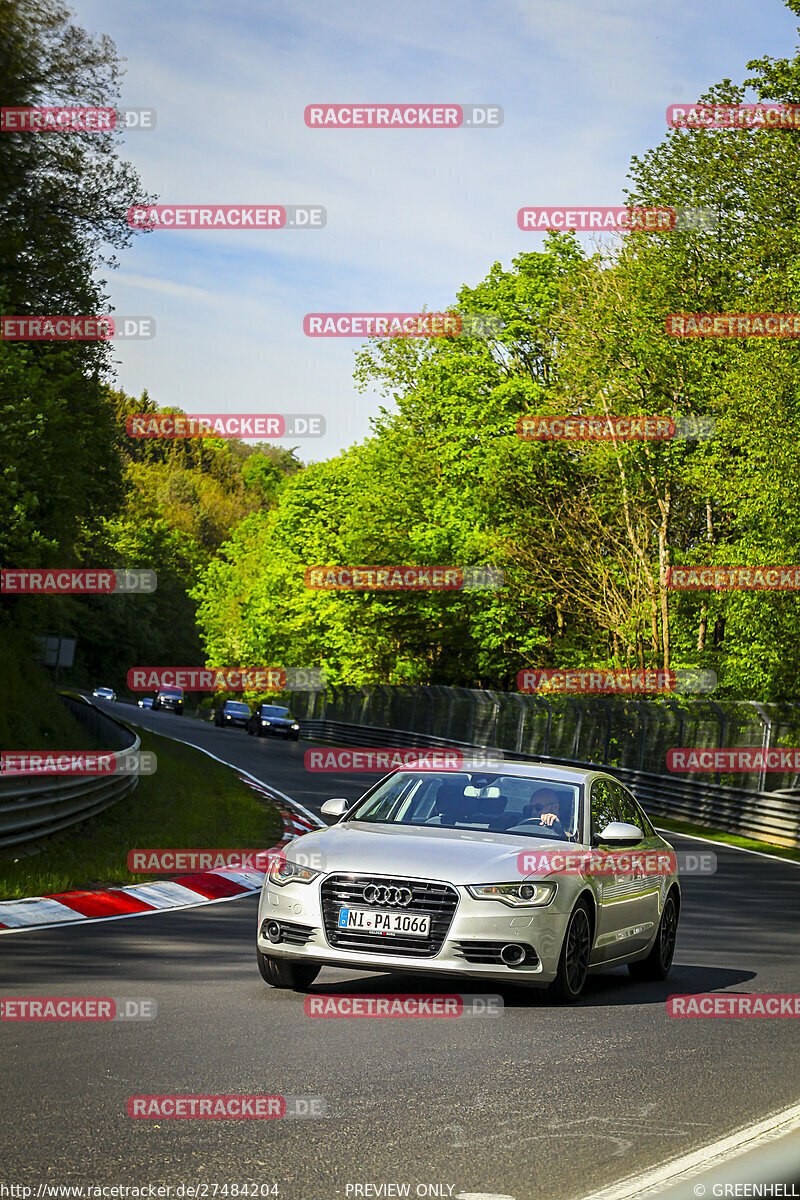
(412,215)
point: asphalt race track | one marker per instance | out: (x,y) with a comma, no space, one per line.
(539,1102)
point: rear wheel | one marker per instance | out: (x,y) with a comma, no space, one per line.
(659,960)
(573,965)
(283,973)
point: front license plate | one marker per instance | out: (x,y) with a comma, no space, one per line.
(387,923)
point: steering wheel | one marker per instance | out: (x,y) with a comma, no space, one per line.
(556,827)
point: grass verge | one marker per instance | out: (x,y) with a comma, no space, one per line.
(191,803)
(32,717)
(731,839)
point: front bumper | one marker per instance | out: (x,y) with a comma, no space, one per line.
(474,921)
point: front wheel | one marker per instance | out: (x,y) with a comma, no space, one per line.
(283,973)
(573,965)
(658,962)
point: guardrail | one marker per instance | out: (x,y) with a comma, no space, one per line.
(32,807)
(625,737)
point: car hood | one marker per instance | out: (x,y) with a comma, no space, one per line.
(459,856)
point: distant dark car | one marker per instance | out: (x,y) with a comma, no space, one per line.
(169,699)
(271,719)
(147,702)
(232,712)
(104,693)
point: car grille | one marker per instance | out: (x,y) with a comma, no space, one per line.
(488,953)
(439,900)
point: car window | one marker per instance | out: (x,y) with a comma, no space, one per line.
(477,800)
(235,707)
(393,798)
(631,809)
(604,806)
(627,807)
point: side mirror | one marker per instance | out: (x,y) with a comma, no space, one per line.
(335,808)
(620,833)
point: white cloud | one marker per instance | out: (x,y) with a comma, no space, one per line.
(411,215)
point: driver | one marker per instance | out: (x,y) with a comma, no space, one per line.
(546,805)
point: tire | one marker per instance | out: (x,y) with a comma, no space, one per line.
(283,973)
(295,736)
(658,962)
(573,963)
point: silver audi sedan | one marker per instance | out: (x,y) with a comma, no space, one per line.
(526,874)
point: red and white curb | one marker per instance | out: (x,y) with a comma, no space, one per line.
(137,900)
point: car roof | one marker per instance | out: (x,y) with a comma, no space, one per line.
(524,770)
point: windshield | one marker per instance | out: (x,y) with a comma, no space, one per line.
(172,693)
(514,804)
(233,706)
(272,710)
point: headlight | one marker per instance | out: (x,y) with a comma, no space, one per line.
(516,895)
(265,722)
(295,727)
(282,871)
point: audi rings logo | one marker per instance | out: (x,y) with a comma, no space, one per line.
(396,897)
